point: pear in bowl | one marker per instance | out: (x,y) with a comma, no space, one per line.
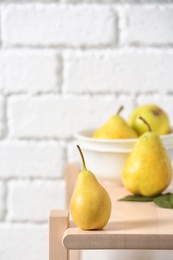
(115,128)
(156,117)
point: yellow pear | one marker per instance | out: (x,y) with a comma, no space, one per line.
(156,117)
(147,170)
(115,128)
(90,205)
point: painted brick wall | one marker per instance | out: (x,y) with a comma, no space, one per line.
(66,65)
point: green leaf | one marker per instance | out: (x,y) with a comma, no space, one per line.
(138,198)
(164,201)
(171,198)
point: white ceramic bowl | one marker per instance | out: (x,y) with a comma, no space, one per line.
(105,158)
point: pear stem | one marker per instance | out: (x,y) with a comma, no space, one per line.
(119,110)
(149,127)
(83,160)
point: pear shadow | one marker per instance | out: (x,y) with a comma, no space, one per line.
(132,225)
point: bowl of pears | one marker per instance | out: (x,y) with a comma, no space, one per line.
(108,147)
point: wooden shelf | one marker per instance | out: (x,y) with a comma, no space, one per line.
(133,225)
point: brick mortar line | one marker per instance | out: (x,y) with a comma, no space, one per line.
(30,179)
(0,28)
(115,40)
(61,74)
(28,94)
(39,139)
(119,47)
(4,119)
(64,95)
(86,95)
(123,48)
(112,46)
(60,141)
(5,194)
(97,3)
(24,222)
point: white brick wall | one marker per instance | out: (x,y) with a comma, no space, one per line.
(148,25)
(48,116)
(38,70)
(2,200)
(23,241)
(36,197)
(67,65)
(24,159)
(118,71)
(2,125)
(63,25)
(1,67)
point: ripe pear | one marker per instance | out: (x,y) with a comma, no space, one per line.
(147,170)
(115,128)
(90,205)
(156,117)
